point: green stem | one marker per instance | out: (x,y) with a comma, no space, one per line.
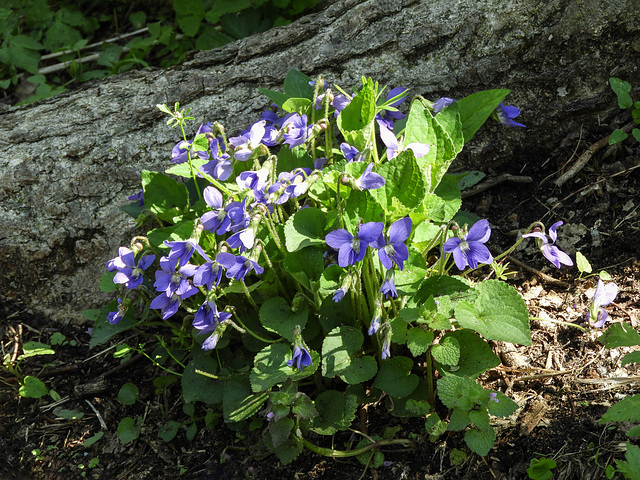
(251,332)
(559,322)
(272,231)
(330,452)
(430,385)
(248,295)
(193,175)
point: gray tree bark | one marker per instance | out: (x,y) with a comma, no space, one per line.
(68,163)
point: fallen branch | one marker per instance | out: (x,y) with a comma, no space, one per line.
(493,181)
(586,156)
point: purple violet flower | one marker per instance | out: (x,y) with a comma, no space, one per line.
(388,288)
(386,352)
(470,249)
(441,104)
(207,319)
(167,304)
(493,397)
(394,148)
(208,274)
(173,282)
(603,296)
(137,196)
(217,219)
(387,117)
(352,249)
(237,267)
(507,114)
(549,250)
(115,317)
(339,294)
(128,272)
(244,145)
(339,102)
(369,180)
(182,250)
(352,154)
(295,129)
(394,250)
(301,358)
(375,326)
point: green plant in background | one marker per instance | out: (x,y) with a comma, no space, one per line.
(625,102)
(29,386)
(541,468)
(45,48)
(305,271)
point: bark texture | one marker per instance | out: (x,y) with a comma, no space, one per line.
(68,163)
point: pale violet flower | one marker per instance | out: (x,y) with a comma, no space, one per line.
(549,250)
(603,296)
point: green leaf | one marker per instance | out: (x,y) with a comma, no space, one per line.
(458,420)
(498,313)
(33,349)
(304,229)
(190,24)
(636,131)
(582,263)
(504,407)
(336,411)
(128,394)
(296,85)
(304,407)
(168,431)
(138,19)
(238,403)
(360,111)
(459,392)
(480,442)
(622,89)
(620,335)
(280,430)
(199,387)
(32,388)
(480,418)
(93,439)
(633,357)
(103,331)
(305,265)
(163,196)
(476,355)
(276,97)
(540,469)
(128,430)
(476,108)
(470,179)
(419,340)
(395,377)
(301,106)
(276,316)
(270,367)
(449,119)
(360,370)
(617,136)
(626,410)
(447,351)
(403,181)
(339,348)
(631,468)
(362,206)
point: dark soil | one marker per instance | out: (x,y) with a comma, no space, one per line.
(559,382)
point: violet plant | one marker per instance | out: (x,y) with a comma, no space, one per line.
(295,269)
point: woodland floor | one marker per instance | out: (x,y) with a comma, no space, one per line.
(559,411)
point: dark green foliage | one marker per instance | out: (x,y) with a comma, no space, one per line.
(53,44)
